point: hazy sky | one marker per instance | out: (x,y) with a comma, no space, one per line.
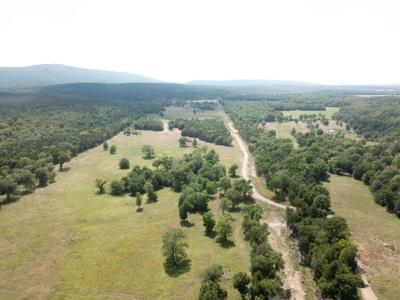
(326,41)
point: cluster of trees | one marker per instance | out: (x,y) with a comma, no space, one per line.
(264,282)
(208,130)
(296,176)
(148,124)
(210,285)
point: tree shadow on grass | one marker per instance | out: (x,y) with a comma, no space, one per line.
(176,270)
(186,223)
(226,244)
(64,169)
(211,235)
(10,200)
(139,209)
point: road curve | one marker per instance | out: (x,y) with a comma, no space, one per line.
(245,169)
(276,238)
(366,292)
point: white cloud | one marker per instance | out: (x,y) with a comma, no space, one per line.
(341,41)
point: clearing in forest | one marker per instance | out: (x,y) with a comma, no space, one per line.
(376,232)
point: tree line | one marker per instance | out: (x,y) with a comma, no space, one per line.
(208,130)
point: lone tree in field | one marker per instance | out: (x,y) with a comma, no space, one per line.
(101,185)
(195,143)
(183,141)
(148,152)
(240,282)
(208,223)
(224,230)
(138,202)
(113,149)
(232,170)
(151,194)
(105,146)
(124,164)
(174,251)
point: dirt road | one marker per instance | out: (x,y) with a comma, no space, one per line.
(292,277)
(292,280)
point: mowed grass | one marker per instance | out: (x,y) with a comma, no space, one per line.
(376,232)
(66,242)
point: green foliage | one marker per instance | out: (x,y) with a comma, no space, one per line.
(138,201)
(151,194)
(232,170)
(101,185)
(148,152)
(148,124)
(208,223)
(117,188)
(183,141)
(223,228)
(208,130)
(105,146)
(240,282)
(174,251)
(296,176)
(210,287)
(124,164)
(113,149)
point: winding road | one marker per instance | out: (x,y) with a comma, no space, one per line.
(292,280)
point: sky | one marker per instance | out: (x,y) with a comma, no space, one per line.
(323,41)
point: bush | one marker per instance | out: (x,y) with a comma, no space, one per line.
(124,164)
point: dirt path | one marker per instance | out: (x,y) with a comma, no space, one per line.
(292,277)
(292,280)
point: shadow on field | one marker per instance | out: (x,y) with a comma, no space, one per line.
(176,270)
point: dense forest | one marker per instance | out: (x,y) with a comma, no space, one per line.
(296,176)
(208,130)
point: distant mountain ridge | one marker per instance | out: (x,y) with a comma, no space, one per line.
(52,74)
(257,82)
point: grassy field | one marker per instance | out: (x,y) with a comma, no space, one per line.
(376,232)
(328,112)
(66,242)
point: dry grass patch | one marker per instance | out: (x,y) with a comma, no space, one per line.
(376,232)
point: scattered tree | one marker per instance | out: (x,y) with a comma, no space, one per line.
(208,223)
(113,149)
(232,170)
(240,282)
(148,152)
(124,164)
(100,185)
(174,251)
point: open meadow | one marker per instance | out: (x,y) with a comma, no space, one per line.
(376,232)
(66,242)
